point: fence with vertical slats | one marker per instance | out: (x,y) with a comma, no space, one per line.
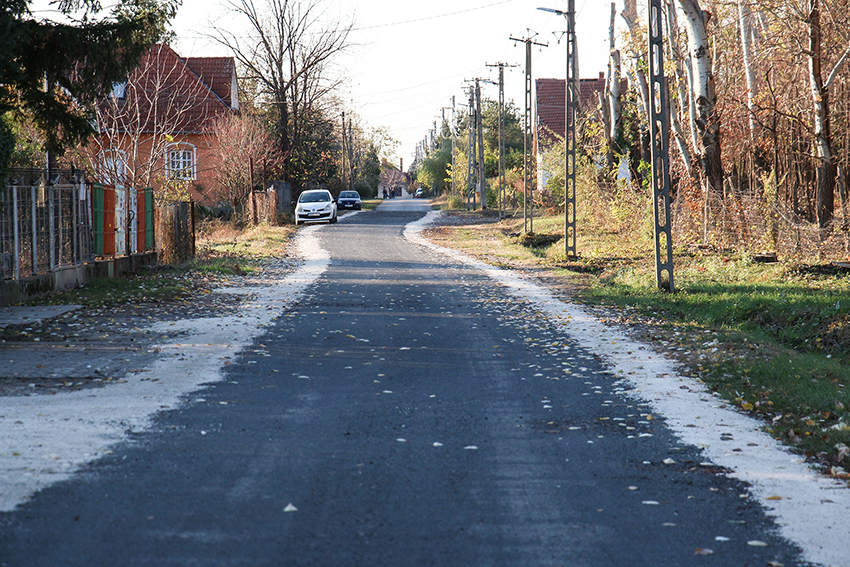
(45,224)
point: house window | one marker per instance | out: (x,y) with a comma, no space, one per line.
(113,167)
(119,90)
(181,163)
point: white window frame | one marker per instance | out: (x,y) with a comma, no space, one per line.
(184,155)
(113,166)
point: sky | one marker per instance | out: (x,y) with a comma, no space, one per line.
(409,57)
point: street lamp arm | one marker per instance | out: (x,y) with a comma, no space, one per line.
(554,11)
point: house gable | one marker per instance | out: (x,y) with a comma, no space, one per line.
(551,100)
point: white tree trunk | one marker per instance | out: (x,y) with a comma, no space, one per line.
(707,122)
(629,14)
(613,79)
(746,28)
(685,111)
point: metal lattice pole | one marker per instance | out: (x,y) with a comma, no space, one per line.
(470,154)
(528,202)
(501,141)
(479,122)
(659,125)
(570,111)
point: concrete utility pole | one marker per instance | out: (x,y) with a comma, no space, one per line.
(343,170)
(470,158)
(571,102)
(528,190)
(482,177)
(351,157)
(451,128)
(659,127)
(454,150)
(501,83)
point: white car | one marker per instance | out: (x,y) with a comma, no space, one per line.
(315,205)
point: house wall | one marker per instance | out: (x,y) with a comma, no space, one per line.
(147,170)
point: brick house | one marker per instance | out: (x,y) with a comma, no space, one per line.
(154,129)
(550,107)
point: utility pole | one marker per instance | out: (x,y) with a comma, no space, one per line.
(342,168)
(471,169)
(571,103)
(501,67)
(528,190)
(451,128)
(659,128)
(454,150)
(351,157)
(482,176)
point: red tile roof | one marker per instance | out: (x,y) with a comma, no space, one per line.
(551,97)
(217,73)
(165,91)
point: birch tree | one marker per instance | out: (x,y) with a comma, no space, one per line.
(748,51)
(706,122)
(820,89)
(611,105)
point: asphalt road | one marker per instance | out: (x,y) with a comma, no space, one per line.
(405,412)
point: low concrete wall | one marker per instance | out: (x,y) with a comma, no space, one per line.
(16,291)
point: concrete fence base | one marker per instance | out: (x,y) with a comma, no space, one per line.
(16,291)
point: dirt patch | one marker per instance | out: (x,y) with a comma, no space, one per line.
(92,347)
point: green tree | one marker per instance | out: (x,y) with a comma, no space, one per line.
(54,73)
(514,142)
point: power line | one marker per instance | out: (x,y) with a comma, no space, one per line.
(426,18)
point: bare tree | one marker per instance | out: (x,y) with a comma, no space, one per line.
(242,145)
(291,45)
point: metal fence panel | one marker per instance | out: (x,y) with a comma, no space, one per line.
(43,227)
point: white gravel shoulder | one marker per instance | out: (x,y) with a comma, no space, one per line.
(810,509)
(45,439)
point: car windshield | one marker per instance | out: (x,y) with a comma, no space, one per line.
(314,197)
(349,195)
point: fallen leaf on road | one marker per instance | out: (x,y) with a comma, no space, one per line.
(703,551)
(290,508)
(756,543)
(773,498)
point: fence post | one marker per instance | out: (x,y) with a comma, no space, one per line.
(149,231)
(34,213)
(17,231)
(97,204)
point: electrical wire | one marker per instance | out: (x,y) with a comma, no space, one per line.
(423,19)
